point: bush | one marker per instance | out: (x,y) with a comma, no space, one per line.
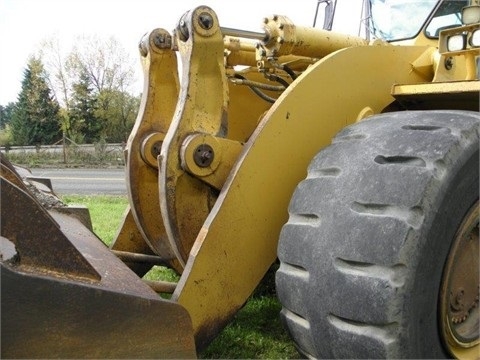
(74,156)
(6,137)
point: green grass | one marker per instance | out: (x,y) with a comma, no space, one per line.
(254,333)
(106,213)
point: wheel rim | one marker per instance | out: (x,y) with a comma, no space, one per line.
(459,308)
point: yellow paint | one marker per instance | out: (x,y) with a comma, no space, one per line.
(456,87)
(238,241)
(161,87)
(149,148)
(286,38)
(202,107)
(366,112)
(225,154)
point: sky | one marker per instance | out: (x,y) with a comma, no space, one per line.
(24,24)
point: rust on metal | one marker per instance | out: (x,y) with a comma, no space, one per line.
(161,286)
(24,231)
(129,239)
(126,256)
(459,296)
(65,295)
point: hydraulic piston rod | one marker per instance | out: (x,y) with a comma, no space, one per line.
(246,34)
(282,37)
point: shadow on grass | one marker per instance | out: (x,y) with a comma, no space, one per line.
(256,331)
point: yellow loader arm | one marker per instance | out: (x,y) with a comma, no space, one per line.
(227,159)
(336,155)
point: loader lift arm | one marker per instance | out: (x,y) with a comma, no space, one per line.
(211,168)
(222,153)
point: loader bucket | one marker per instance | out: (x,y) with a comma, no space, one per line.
(64,294)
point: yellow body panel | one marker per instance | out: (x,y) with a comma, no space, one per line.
(237,243)
(450,88)
(462,95)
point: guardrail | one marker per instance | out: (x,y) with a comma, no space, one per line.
(91,148)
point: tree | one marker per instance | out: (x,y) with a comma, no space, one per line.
(82,114)
(107,63)
(5,120)
(6,114)
(35,118)
(60,77)
(93,82)
(110,72)
(57,69)
(119,111)
(6,136)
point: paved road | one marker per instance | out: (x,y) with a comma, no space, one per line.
(85,181)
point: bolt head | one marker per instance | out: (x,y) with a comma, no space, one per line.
(162,41)
(203,155)
(205,20)
(448,63)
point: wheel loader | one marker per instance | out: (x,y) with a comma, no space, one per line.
(352,161)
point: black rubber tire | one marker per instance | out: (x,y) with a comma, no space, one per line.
(369,230)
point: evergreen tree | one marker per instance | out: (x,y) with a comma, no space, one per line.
(6,114)
(35,118)
(83,108)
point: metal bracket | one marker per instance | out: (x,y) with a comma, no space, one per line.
(202,107)
(209,158)
(155,115)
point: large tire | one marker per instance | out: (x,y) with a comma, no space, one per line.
(369,232)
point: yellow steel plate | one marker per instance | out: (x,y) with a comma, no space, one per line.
(238,241)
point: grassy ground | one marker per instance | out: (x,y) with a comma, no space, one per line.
(256,331)
(106,213)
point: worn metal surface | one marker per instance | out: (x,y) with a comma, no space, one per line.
(65,295)
(144,143)
(48,317)
(185,200)
(29,226)
(129,239)
(9,173)
(459,303)
(242,230)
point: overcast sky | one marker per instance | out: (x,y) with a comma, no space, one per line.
(25,23)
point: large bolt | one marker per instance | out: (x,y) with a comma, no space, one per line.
(205,20)
(162,41)
(156,149)
(203,155)
(182,29)
(449,63)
